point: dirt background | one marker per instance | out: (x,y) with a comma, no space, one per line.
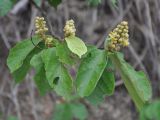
(93,24)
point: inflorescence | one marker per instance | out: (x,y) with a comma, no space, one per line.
(119,37)
(69,29)
(41,29)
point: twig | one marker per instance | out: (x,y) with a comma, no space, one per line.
(19,6)
(6,42)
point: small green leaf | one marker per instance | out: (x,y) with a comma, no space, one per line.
(76,45)
(55,3)
(105,86)
(90,71)
(52,65)
(151,111)
(62,111)
(136,83)
(18,54)
(79,111)
(94,2)
(40,77)
(5,6)
(64,54)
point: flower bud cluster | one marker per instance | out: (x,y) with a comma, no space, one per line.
(69,29)
(119,37)
(41,28)
(49,41)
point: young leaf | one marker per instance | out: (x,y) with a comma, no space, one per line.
(51,64)
(151,111)
(62,111)
(90,71)
(64,54)
(40,77)
(55,3)
(136,83)
(76,45)
(18,54)
(105,86)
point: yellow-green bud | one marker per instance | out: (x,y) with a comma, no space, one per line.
(119,37)
(69,29)
(40,26)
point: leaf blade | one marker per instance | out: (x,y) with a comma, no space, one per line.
(51,65)
(40,77)
(76,45)
(105,86)
(90,70)
(19,52)
(136,83)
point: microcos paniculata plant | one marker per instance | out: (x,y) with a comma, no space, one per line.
(54,60)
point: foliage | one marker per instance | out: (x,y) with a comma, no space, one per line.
(54,3)
(70,110)
(136,83)
(52,61)
(12,118)
(151,111)
(6,6)
(76,45)
(105,86)
(97,2)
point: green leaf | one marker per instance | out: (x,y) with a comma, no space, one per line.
(90,71)
(18,54)
(79,111)
(21,72)
(12,118)
(55,70)
(151,111)
(136,83)
(40,77)
(64,86)
(38,2)
(114,2)
(62,111)
(76,45)
(64,53)
(55,3)
(94,2)
(52,65)
(105,86)
(5,6)
(69,110)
